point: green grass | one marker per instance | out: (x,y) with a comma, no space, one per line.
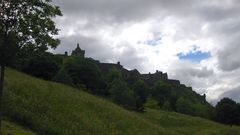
(54,109)
(9,128)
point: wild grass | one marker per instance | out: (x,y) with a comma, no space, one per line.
(54,109)
(9,128)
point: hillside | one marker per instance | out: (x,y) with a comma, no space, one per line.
(54,109)
(13,129)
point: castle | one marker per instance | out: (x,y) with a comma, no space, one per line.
(78,52)
(149,78)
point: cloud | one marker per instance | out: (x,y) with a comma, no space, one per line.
(148,35)
(233,93)
(229,58)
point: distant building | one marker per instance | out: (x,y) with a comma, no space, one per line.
(78,52)
(149,78)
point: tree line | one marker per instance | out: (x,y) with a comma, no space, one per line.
(131,93)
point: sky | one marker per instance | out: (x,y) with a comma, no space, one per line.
(194,41)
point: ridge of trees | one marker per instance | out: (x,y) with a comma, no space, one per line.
(135,95)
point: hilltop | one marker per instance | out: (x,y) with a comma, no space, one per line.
(55,109)
(168,93)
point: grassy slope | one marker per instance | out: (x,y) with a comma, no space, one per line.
(51,108)
(13,129)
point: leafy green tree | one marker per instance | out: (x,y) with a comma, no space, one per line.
(42,66)
(185,106)
(204,110)
(140,89)
(151,103)
(227,111)
(63,77)
(122,94)
(238,114)
(166,106)
(85,71)
(201,110)
(113,74)
(25,23)
(161,91)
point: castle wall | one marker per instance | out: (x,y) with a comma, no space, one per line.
(132,74)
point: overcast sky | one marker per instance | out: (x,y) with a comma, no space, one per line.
(194,41)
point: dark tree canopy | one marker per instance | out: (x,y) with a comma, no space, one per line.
(161,91)
(31,22)
(141,91)
(122,94)
(85,71)
(42,66)
(227,111)
(184,106)
(113,74)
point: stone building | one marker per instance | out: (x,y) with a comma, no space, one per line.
(78,52)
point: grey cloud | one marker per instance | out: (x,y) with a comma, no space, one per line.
(93,47)
(233,94)
(129,57)
(107,10)
(201,73)
(191,75)
(187,69)
(229,57)
(136,10)
(126,10)
(104,52)
(217,13)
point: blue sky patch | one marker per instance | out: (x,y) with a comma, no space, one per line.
(194,56)
(152,42)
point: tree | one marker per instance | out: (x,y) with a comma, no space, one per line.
(85,71)
(43,66)
(25,23)
(227,111)
(63,77)
(184,106)
(238,114)
(121,94)
(151,103)
(166,106)
(141,91)
(113,74)
(161,91)
(204,110)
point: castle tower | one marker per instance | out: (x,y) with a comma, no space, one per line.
(78,52)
